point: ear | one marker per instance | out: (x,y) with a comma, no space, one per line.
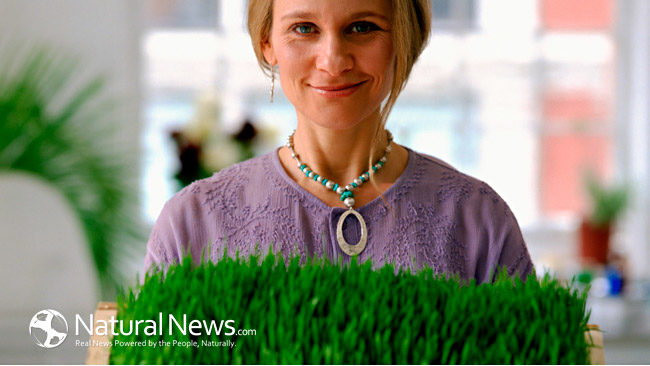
(269,52)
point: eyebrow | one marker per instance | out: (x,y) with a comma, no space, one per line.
(306,15)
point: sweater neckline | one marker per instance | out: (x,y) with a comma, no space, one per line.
(399,182)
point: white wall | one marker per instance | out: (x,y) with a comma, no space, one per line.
(633,111)
(105,36)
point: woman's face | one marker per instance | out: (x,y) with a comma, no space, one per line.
(335,57)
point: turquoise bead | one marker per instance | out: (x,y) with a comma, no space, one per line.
(374,168)
(336,186)
(346,194)
(315,177)
(324,181)
(354,185)
(303,166)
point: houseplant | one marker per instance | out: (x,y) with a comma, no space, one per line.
(59,127)
(607,204)
(319,312)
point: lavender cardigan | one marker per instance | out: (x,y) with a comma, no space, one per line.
(440,217)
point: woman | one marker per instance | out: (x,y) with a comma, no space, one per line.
(341,187)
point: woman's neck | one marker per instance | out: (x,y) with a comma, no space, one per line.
(339,155)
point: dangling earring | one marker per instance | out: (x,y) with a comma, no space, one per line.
(272,82)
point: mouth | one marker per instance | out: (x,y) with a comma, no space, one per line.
(335,91)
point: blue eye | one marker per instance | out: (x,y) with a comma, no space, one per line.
(304,28)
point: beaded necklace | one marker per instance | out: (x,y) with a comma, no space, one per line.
(346,195)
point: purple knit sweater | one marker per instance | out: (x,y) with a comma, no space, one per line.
(440,217)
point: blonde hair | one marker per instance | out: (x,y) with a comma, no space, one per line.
(410,29)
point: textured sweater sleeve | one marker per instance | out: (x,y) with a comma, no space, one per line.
(177,232)
(500,242)
(162,246)
(509,248)
(514,253)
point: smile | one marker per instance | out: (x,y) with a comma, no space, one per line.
(337,91)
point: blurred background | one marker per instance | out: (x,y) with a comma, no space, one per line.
(548,101)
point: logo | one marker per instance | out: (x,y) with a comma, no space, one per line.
(49,328)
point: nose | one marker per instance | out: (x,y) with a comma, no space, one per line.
(333,56)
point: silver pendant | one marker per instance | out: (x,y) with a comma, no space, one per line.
(348,249)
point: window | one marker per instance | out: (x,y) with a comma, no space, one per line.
(515,102)
(453,14)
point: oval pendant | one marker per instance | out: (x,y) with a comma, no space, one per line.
(348,249)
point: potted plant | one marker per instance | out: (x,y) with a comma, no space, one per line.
(608,203)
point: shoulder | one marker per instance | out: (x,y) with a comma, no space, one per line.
(197,208)
(195,215)
(482,218)
(226,186)
(447,185)
(242,171)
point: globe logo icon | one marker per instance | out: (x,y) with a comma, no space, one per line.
(49,328)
